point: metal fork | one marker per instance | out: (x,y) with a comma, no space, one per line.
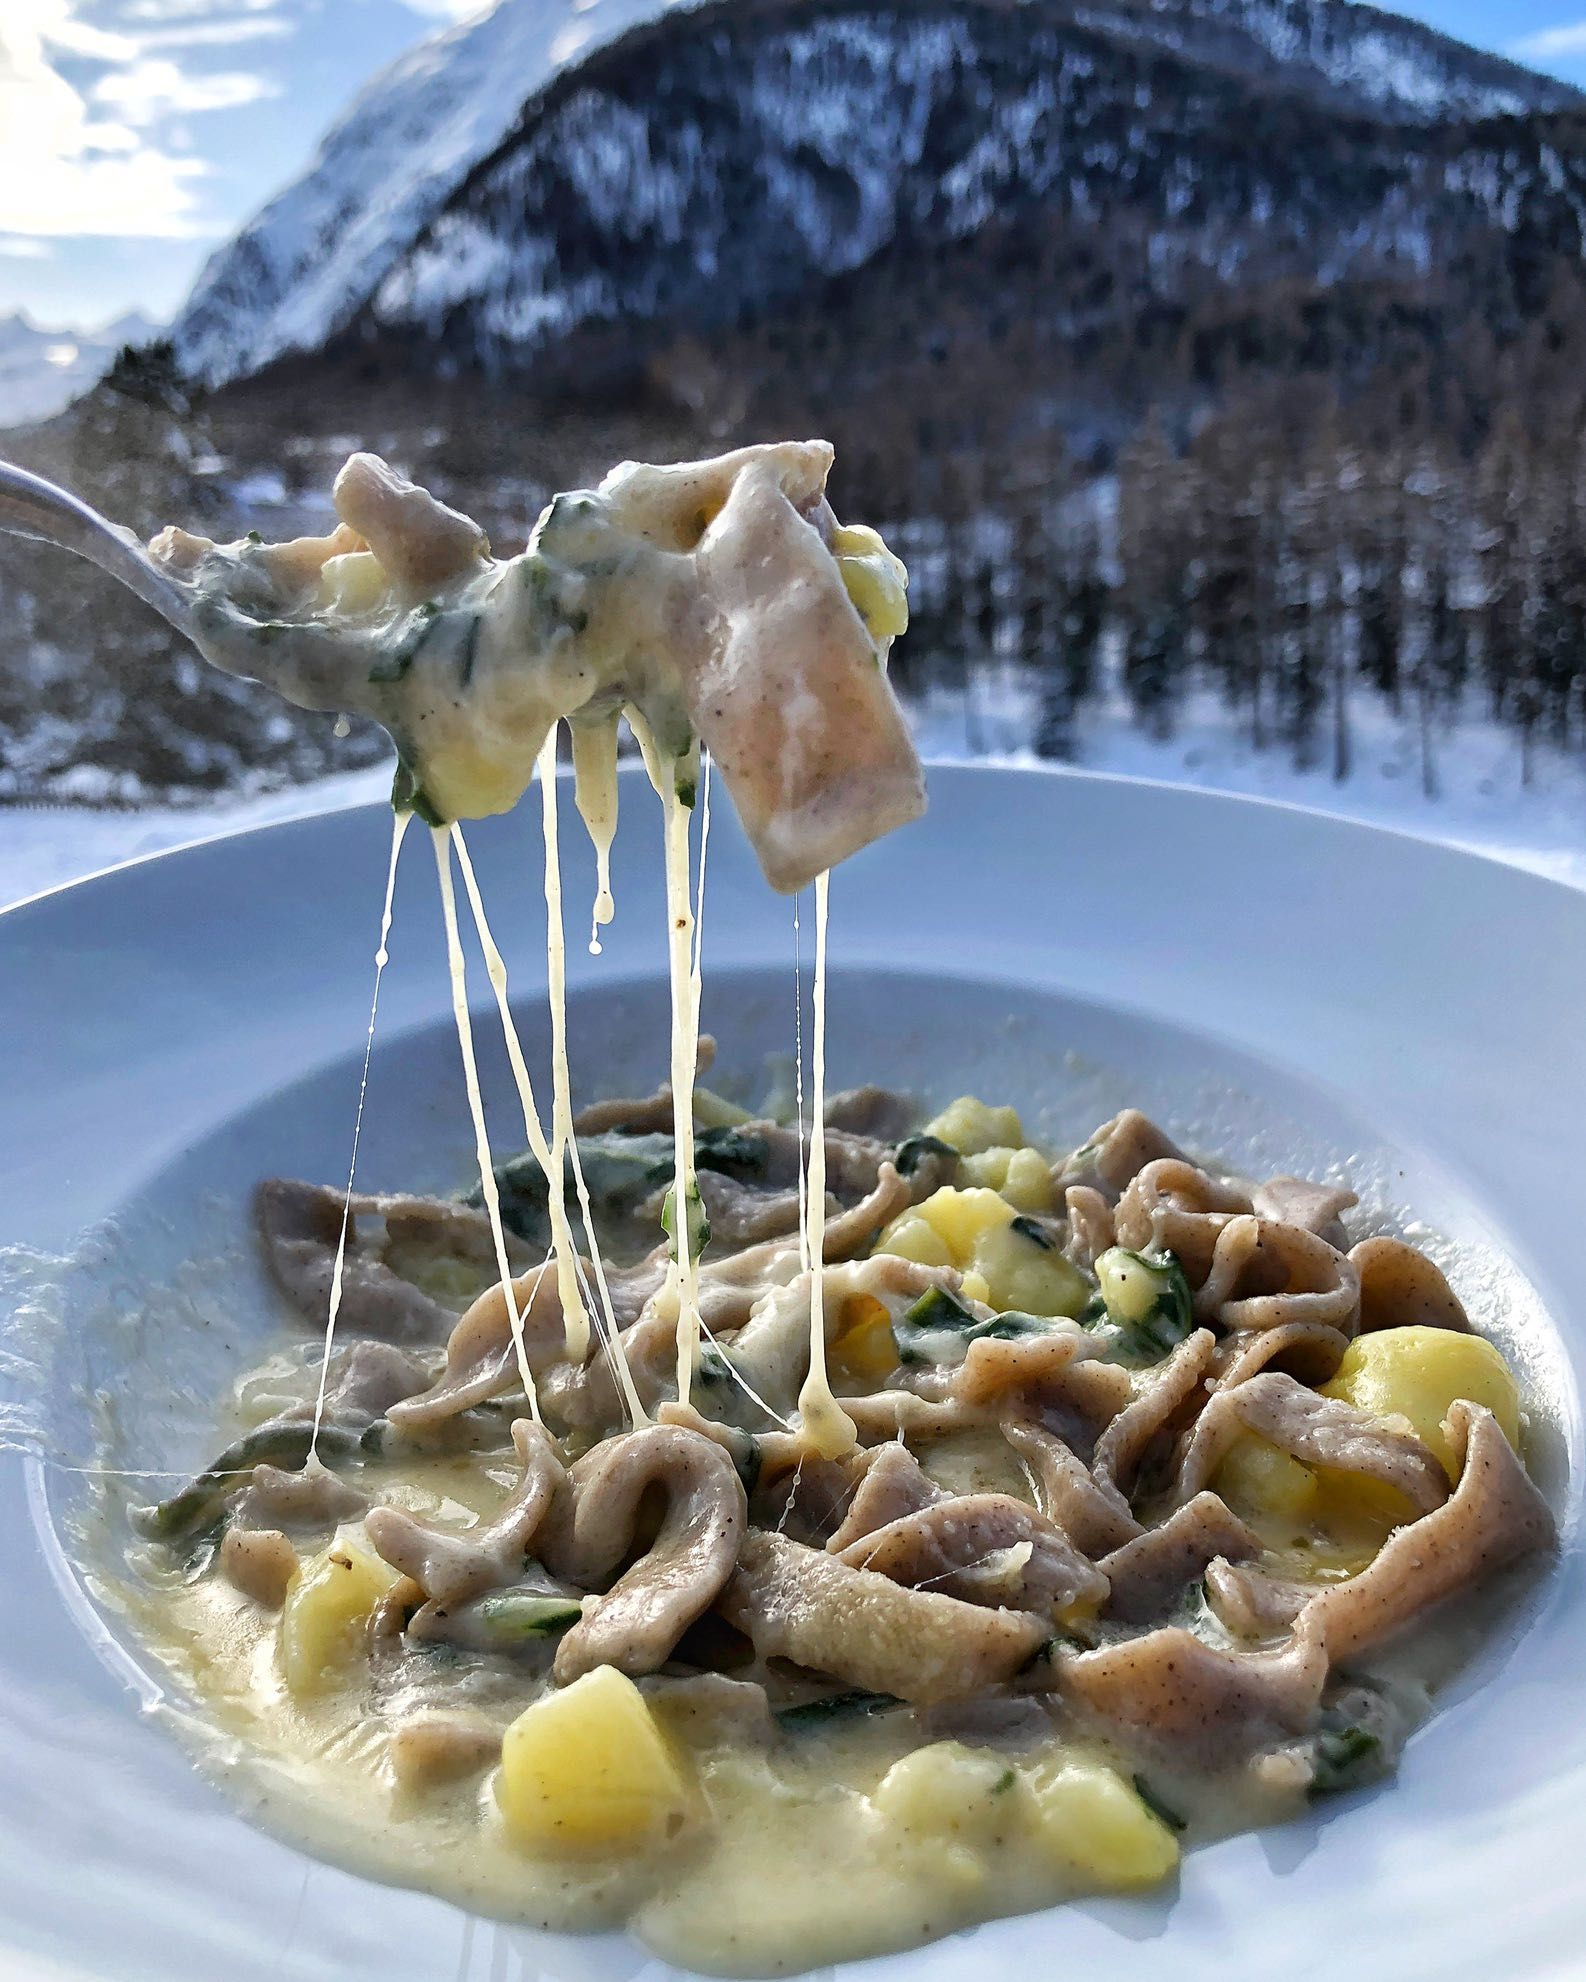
(33,507)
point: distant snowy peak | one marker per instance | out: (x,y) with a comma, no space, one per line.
(457,180)
(293,276)
(43,371)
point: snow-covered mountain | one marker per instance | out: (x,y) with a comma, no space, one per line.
(480,190)
(42,371)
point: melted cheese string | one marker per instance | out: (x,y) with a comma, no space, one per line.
(382,956)
(683,1280)
(457,971)
(827,1425)
(564,1247)
(564,1143)
(595,795)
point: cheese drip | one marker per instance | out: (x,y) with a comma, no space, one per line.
(563,1245)
(382,956)
(827,1426)
(457,971)
(564,1143)
(595,795)
(667,774)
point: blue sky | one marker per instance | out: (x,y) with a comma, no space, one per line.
(136,134)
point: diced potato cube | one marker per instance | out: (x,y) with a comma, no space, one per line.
(951,1791)
(352,583)
(1028,1184)
(587,1771)
(987,1167)
(865,1350)
(1023,1274)
(1095,1823)
(328,1602)
(971,1126)
(1256,1479)
(1023,1176)
(1130,1287)
(913,1237)
(876,580)
(961,1216)
(1417,1373)
(975,1287)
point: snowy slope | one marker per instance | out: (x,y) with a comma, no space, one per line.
(294,274)
(377,214)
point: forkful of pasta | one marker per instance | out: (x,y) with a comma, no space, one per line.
(718,600)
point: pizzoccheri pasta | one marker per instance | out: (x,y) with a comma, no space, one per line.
(793,1551)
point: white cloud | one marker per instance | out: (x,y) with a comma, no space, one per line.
(216,34)
(1551,43)
(149,88)
(23,247)
(193,10)
(448,10)
(65,166)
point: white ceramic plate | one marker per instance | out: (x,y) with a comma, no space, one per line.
(1280,987)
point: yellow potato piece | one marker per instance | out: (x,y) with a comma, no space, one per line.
(1095,1824)
(1023,1176)
(587,1771)
(972,1127)
(960,1217)
(865,1351)
(1028,1184)
(1417,1373)
(952,1791)
(352,583)
(913,1237)
(1258,1479)
(1025,1275)
(1130,1288)
(328,1602)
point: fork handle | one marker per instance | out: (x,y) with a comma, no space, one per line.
(32,507)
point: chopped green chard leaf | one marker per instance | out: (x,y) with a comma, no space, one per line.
(835,1707)
(1163,1811)
(915,1150)
(937,1308)
(1346,1758)
(407,795)
(1033,1230)
(938,1312)
(734,1152)
(202,1500)
(1147,1299)
(520,1617)
(698,1222)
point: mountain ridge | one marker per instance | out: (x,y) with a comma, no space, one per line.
(317,260)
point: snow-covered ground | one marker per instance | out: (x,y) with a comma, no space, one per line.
(1481,803)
